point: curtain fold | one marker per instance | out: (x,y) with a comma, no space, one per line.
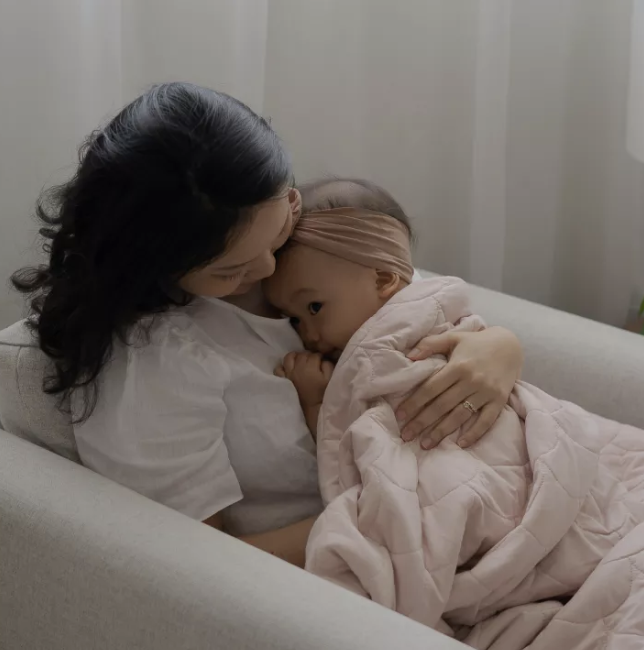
(499,124)
(59,76)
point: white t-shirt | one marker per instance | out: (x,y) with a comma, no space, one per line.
(192,417)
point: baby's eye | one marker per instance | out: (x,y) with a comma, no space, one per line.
(314,307)
(294,321)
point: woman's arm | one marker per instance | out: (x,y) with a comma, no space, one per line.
(288,543)
(482,370)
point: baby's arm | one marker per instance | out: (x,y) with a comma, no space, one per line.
(311,414)
(310,374)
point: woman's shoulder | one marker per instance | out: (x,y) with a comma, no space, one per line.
(171,347)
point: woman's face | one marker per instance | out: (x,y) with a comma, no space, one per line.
(251,256)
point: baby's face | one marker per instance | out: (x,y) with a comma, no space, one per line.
(327,298)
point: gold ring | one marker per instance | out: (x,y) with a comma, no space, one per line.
(470,407)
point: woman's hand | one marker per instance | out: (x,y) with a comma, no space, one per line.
(482,369)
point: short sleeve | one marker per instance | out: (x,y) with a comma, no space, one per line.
(158,425)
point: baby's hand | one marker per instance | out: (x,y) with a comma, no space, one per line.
(310,374)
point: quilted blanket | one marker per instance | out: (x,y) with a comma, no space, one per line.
(531,538)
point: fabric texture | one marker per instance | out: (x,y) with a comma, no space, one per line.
(545,507)
(502,131)
(196,420)
(160,581)
(87,564)
(511,150)
(592,364)
(25,409)
(366,237)
(597,366)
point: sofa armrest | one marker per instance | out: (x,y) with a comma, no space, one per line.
(597,366)
(86,563)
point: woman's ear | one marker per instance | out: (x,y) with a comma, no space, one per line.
(295,200)
(387,284)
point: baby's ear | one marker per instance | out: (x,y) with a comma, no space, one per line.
(388,284)
(295,199)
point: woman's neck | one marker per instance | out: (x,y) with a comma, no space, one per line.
(254,302)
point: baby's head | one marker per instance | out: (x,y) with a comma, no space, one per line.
(349,254)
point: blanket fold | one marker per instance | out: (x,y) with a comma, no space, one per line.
(499,545)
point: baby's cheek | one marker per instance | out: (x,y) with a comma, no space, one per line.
(348,326)
(356,317)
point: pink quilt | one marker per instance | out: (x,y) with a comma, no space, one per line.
(532,538)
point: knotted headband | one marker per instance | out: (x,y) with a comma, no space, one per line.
(368,238)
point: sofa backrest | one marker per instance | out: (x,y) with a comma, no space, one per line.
(25,410)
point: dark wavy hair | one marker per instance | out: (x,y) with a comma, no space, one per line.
(158,192)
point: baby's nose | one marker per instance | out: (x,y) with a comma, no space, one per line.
(310,339)
(314,344)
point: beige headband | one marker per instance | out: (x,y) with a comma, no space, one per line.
(368,238)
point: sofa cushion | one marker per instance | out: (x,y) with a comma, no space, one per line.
(25,410)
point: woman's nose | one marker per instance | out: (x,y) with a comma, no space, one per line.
(263,267)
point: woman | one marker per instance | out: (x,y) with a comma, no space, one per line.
(151,309)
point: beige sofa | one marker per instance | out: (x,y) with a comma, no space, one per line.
(86,564)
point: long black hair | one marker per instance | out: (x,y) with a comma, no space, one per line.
(158,192)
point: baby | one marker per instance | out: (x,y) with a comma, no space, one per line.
(340,267)
(530,537)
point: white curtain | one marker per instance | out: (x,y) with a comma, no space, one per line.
(66,66)
(499,124)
